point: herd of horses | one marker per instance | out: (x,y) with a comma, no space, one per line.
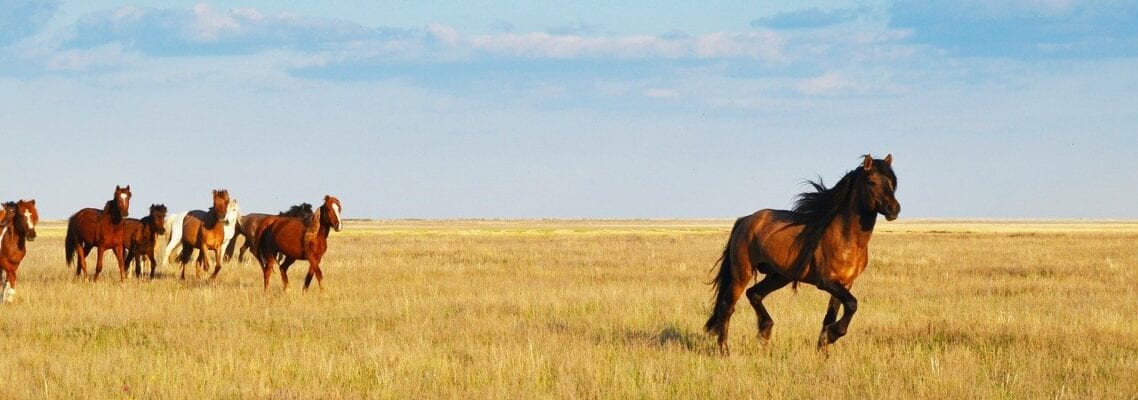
(276,241)
(823,241)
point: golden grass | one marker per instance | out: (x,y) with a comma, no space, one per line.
(588,309)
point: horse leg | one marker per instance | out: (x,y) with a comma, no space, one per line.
(314,269)
(241,253)
(203,261)
(81,262)
(756,294)
(98,262)
(832,331)
(284,271)
(152,264)
(9,289)
(123,267)
(217,265)
(267,265)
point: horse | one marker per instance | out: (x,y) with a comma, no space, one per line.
(174,224)
(205,230)
(247,227)
(140,238)
(823,241)
(19,228)
(102,229)
(297,239)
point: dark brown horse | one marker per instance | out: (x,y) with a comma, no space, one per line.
(141,235)
(248,225)
(205,230)
(297,239)
(21,228)
(824,242)
(101,229)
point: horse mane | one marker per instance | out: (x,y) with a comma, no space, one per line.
(815,211)
(312,225)
(302,210)
(112,209)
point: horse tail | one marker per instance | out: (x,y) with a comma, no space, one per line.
(71,240)
(185,253)
(723,285)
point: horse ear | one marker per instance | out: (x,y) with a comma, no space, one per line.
(867,164)
(33,202)
(326,197)
(889,160)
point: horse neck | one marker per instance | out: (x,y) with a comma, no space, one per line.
(113,212)
(856,223)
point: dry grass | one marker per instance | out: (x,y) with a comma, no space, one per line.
(610,309)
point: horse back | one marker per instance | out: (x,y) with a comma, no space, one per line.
(770,236)
(87,225)
(200,225)
(132,231)
(284,235)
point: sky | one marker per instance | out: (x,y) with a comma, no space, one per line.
(570,109)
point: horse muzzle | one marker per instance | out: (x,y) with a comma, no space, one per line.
(31,236)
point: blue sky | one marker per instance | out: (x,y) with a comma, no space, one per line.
(433,109)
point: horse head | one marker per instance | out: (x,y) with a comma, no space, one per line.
(122,200)
(877,193)
(221,205)
(232,212)
(7,214)
(26,218)
(330,213)
(158,218)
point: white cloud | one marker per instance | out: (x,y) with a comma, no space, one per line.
(85,59)
(661,93)
(759,45)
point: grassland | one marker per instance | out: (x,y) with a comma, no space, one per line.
(589,309)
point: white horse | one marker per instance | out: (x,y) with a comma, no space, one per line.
(174,229)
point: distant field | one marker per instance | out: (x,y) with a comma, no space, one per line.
(589,309)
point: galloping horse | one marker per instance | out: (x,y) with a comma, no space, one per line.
(205,230)
(248,224)
(140,238)
(102,229)
(22,218)
(174,223)
(824,242)
(297,239)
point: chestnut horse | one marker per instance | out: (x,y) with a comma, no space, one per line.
(205,230)
(102,229)
(140,238)
(297,239)
(21,228)
(824,242)
(175,222)
(247,227)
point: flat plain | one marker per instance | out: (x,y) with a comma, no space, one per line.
(588,309)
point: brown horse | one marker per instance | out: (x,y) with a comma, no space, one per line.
(205,230)
(248,224)
(297,239)
(823,242)
(102,229)
(141,236)
(21,228)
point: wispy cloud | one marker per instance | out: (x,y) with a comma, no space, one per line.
(1023,28)
(809,18)
(205,30)
(20,19)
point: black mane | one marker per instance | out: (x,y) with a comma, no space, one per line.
(816,210)
(302,210)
